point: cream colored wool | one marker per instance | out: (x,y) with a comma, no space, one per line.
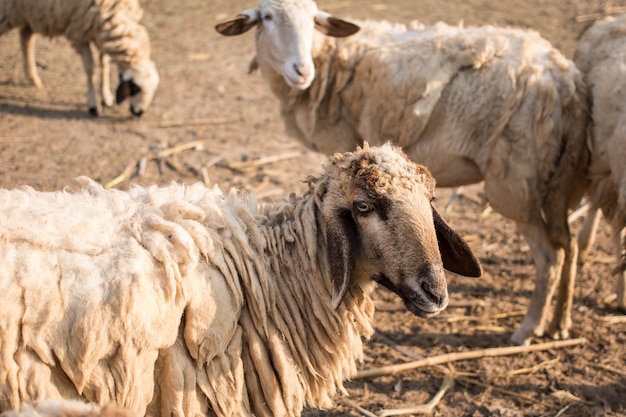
(601,56)
(67,408)
(182,300)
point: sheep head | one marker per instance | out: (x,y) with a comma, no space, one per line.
(284,38)
(380,224)
(138,84)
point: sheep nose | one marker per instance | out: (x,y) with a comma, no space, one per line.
(433,284)
(136,112)
(301,70)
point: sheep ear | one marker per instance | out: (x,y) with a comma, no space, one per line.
(341,239)
(241,24)
(333,26)
(123,91)
(457,257)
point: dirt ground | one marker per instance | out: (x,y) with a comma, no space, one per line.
(229,121)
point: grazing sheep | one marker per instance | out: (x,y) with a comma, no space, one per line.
(601,57)
(112,26)
(67,408)
(181,301)
(489,104)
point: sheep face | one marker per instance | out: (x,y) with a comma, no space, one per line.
(138,84)
(381,225)
(284,37)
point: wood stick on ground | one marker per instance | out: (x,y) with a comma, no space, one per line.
(598,16)
(448,382)
(125,175)
(473,354)
(138,167)
(502,391)
(196,122)
(496,316)
(164,153)
(357,407)
(245,165)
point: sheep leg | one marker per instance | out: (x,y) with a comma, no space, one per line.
(562,320)
(619,233)
(88,64)
(548,262)
(105,78)
(587,234)
(27,42)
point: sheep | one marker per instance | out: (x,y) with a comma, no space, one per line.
(112,26)
(498,105)
(601,57)
(184,300)
(67,408)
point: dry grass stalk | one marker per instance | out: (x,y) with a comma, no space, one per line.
(197,122)
(614,319)
(161,155)
(532,369)
(357,407)
(597,16)
(255,163)
(458,356)
(609,368)
(448,382)
(455,319)
(510,393)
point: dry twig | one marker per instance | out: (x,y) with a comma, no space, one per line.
(448,382)
(458,356)
(255,163)
(598,16)
(160,155)
(198,122)
(496,316)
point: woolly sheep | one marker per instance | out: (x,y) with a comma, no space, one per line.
(112,26)
(67,408)
(601,56)
(182,300)
(498,105)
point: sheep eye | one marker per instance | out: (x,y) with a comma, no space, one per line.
(363,207)
(267,17)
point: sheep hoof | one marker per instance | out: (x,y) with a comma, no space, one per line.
(93,111)
(521,338)
(108,101)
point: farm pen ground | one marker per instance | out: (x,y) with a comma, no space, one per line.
(206,97)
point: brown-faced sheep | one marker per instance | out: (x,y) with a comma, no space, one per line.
(601,56)
(183,301)
(112,26)
(498,105)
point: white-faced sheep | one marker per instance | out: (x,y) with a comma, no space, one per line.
(490,104)
(181,301)
(112,26)
(601,56)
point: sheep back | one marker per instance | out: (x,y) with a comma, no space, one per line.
(98,282)
(501,101)
(111,24)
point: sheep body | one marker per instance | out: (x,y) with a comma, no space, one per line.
(67,408)
(112,26)
(158,299)
(491,104)
(601,56)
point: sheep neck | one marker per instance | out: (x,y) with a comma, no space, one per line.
(303,336)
